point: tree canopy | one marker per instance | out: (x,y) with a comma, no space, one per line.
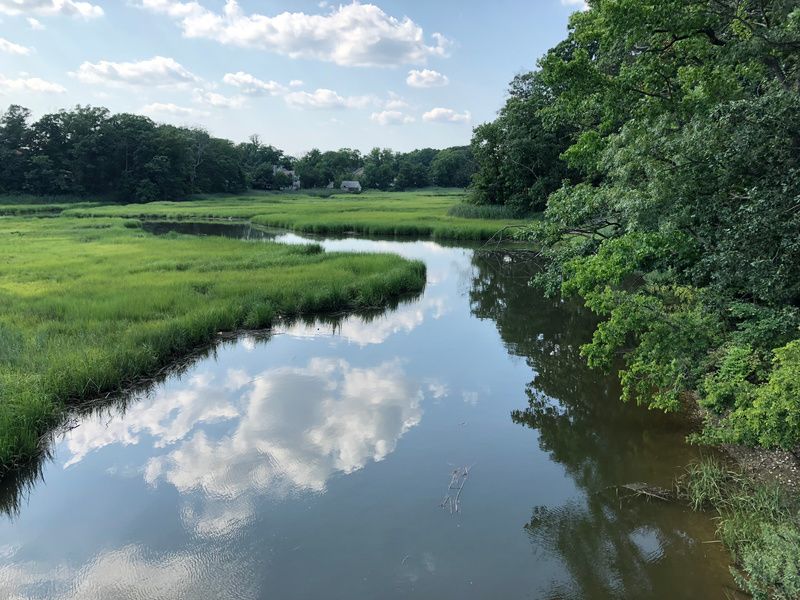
(664,138)
(90,151)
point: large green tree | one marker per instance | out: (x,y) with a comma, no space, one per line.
(518,156)
(683,229)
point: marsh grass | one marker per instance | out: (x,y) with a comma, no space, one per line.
(422,214)
(91,305)
(758,522)
(480,211)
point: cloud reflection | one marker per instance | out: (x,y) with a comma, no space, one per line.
(374,330)
(298,427)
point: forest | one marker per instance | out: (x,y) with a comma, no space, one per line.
(88,151)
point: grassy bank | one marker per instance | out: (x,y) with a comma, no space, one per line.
(90,305)
(758,522)
(420,213)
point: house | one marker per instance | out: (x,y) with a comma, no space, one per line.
(291,175)
(354,187)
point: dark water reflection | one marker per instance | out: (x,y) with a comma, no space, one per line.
(311,463)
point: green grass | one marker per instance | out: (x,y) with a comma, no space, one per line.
(481,211)
(91,305)
(424,213)
(759,523)
(43,209)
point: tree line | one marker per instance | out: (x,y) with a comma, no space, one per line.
(90,151)
(661,139)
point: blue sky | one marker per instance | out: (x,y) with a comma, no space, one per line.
(301,74)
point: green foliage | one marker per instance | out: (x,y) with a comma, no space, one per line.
(317,169)
(380,169)
(517,156)
(87,150)
(453,167)
(760,523)
(677,220)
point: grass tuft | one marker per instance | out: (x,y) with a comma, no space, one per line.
(758,522)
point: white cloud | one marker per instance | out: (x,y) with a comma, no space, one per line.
(155,72)
(71,8)
(395,102)
(296,83)
(426,78)
(34,24)
(217,100)
(391,117)
(12,48)
(161,109)
(446,115)
(252,86)
(30,84)
(579,4)
(326,99)
(354,35)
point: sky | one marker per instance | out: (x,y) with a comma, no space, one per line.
(301,74)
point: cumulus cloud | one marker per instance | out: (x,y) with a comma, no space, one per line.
(71,8)
(35,24)
(12,48)
(426,78)
(446,115)
(160,109)
(395,102)
(217,100)
(296,83)
(252,86)
(354,35)
(326,99)
(155,72)
(30,84)
(391,117)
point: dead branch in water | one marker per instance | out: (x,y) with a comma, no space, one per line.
(452,500)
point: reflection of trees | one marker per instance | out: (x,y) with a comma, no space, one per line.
(616,549)
(600,442)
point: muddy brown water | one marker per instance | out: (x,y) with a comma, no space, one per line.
(453,446)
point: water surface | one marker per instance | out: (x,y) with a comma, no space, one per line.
(315,462)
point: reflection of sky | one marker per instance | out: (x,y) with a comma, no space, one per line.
(375,330)
(303,467)
(296,427)
(290,429)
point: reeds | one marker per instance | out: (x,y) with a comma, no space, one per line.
(759,522)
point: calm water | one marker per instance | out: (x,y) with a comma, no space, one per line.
(316,462)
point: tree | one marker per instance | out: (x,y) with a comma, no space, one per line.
(682,224)
(518,156)
(14,147)
(380,169)
(453,167)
